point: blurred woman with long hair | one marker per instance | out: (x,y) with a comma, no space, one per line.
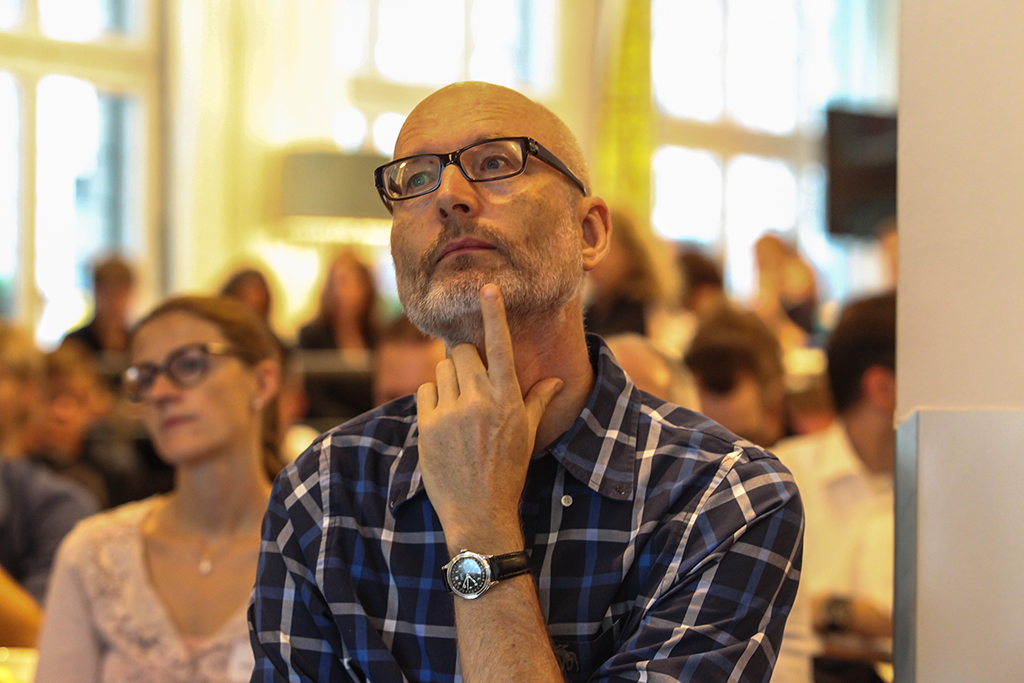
(157,590)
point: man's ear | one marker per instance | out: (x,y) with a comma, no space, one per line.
(878,386)
(596,231)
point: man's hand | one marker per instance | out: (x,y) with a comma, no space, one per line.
(476,437)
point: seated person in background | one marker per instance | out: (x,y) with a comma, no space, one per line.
(626,286)
(156,589)
(845,474)
(787,294)
(293,407)
(250,287)
(113,284)
(737,364)
(703,283)
(76,399)
(405,359)
(37,509)
(528,515)
(21,388)
(652,371)
(345,324)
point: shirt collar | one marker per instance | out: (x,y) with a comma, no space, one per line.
(599,449)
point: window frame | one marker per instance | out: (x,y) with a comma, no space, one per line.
(115,65)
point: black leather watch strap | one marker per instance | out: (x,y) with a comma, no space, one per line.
(510,564)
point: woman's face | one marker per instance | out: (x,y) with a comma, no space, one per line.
(219,411)
(350,291)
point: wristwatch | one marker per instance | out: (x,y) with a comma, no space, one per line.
(469,575)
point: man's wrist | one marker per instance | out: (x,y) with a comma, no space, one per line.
(489,540)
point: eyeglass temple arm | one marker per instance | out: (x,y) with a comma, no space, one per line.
(547,157)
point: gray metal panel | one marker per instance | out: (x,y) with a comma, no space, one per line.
(959,588)
(905,598)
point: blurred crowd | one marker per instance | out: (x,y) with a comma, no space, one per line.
(175,425)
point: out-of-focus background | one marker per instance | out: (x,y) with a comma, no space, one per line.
(195,137)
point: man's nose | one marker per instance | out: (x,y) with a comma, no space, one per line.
(456,194)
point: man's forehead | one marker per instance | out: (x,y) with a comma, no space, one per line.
(455,117)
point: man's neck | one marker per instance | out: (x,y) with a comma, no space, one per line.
(873,438)
(556,349)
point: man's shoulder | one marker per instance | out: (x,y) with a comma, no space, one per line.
(684,432)
(382,432)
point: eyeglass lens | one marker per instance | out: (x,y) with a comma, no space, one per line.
(185,367)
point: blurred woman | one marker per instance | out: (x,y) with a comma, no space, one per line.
(339,386)
(157,590)
(627,286)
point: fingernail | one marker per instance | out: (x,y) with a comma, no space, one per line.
(490,292)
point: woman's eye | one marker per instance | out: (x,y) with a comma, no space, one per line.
(189,366)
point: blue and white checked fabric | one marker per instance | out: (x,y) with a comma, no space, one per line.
(663,547)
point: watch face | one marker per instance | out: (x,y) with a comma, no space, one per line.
(468,576)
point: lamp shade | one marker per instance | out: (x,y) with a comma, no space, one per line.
(331,184)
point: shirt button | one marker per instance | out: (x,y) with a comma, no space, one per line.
(566,500)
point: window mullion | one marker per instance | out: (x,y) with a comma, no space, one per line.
(29,305)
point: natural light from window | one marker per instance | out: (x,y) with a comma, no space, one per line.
(10,13)
(83,20)
(686,60)
(82,210)
(385,132)
(349,129)
(71,19)
(688,194)
(760,196)
(10,158)
(511,42)
(761,58)
(68,140)
(420,42)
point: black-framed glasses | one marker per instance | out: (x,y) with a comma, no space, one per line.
(480,162)
(186,367)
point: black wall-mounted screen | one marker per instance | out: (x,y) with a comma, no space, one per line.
(861,152)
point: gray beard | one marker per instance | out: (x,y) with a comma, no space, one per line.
(533,284)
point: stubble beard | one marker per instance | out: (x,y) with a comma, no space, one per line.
(536,280)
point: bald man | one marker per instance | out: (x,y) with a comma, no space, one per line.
(529,515)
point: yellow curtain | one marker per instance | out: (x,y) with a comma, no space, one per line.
(625,123)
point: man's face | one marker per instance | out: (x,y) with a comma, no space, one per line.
(520,233)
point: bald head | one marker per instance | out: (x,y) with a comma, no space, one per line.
(444,114)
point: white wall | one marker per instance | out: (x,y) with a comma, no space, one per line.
(960,545)
(961,204)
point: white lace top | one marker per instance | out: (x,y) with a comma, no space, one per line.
(105,623)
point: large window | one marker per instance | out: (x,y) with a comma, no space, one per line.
(78,87)
(741,87)
(393,52)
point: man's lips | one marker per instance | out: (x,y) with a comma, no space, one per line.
(463,245)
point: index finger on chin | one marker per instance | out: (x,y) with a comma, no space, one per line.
(497,339)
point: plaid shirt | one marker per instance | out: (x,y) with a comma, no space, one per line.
(662,546)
